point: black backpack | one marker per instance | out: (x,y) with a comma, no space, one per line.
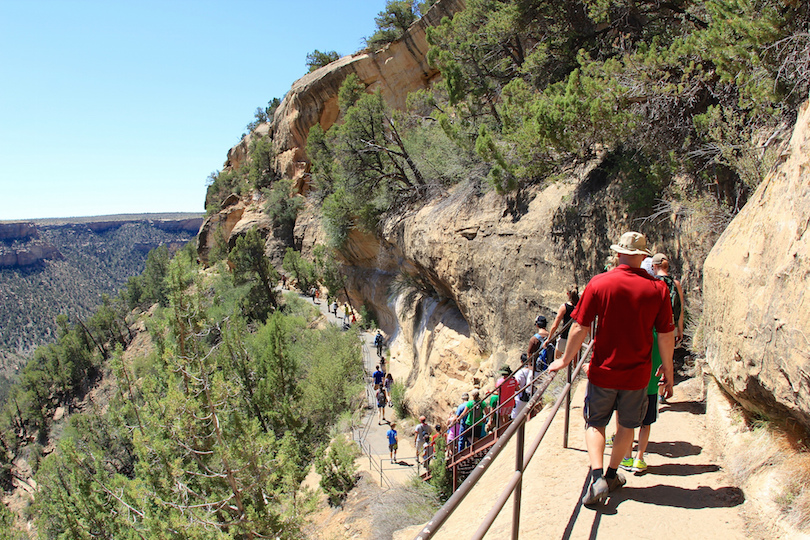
(674,297)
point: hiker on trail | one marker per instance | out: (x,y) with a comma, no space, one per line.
(638,465)
(378,342)
(562,318)
(523,376)
(378,377)
(346,310)
(539,337)
(506,386)
(463,440)
(388,382)
(490,405)
(420,437)
(660,265)
(453,428)
(474,410)
(430,446)
(381,401)
(541,357)
(393,442)
(628,304)
(317,296)
(333,307)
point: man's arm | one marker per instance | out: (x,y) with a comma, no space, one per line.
(666,346)
(576,337)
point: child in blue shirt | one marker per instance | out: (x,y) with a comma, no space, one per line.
(393,439)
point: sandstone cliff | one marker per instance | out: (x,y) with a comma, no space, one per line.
(457,283)
(757,313)
(18,231)
(396,70)
(28,255)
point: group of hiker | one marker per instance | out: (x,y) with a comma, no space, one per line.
(639,315)
(637,310)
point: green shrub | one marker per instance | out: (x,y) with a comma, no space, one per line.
(368,319)
(398,399)
(440,478)
(317,59)
(337,469)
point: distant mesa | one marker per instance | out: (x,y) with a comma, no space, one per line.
(21,244)
(18,231)
(28,256)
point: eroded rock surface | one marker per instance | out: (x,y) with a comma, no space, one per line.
(396,70)
(756,321)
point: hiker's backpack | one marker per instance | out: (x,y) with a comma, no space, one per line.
(378,339)
(474,415)
(545,358)
(674,297)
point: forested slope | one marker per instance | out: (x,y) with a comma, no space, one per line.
(97,256)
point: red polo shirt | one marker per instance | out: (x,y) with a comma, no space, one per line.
(629,304)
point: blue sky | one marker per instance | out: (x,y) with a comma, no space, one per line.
(114,106)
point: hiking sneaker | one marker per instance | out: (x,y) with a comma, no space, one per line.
(639,466)
(627,464)
(596,493)
(616,482)
(609,441)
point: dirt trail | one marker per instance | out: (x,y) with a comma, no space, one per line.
(683,495)
(372,434)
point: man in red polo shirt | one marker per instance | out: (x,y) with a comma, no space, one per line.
(627,304)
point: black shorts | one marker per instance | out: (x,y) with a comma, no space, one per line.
(630,406)
(652,410)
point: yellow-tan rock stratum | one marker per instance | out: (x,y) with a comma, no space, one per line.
(756,316)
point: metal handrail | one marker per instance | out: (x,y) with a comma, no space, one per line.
(366,426)
(453,443)
(515,483)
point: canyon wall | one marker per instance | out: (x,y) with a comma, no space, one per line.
(756,323)
(396,69)
(457,283)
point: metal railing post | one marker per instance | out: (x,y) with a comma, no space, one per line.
(567,422)
(519,488)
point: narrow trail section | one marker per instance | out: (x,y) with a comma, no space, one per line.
(684,494)
(376,463)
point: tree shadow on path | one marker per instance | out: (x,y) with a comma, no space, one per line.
(692,499)
(694,407)
(674,449)
(680,469)
(659,495)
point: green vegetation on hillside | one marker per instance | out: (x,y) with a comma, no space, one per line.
(317,59)
(697,89)
(95,264)
(207,435)
(395,20)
